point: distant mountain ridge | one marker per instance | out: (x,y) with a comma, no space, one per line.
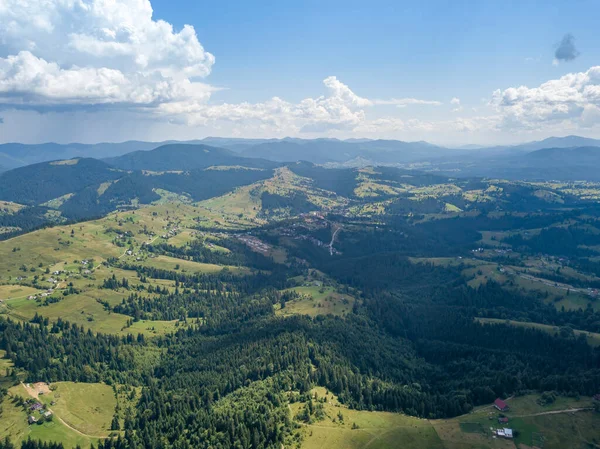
(38,183)
(322,151)
(265,153)
(561,164)
(184,157)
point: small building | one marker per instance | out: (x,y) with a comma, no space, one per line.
(503,420)
(501,405)
(32,419)
(504,433)
(47,414)
(36,406)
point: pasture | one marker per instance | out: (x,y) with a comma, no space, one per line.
(316,301)
(363,429)
(14,424)
(593,339)
(558,427)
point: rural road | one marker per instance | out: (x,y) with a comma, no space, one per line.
(34,394)
(556,412)
(333,240)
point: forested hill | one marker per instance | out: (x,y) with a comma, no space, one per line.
(320,151)
(38,183)
(184,157)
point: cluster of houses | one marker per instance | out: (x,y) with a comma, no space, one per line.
(254,243)
(503,432)
(41,295)
(36,407)
(172,232)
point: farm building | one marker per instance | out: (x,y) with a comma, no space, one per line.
(35,406)
(501,405)
(31,419)
(504,433)
(503,420)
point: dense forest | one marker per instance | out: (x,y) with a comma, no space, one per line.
(417,335)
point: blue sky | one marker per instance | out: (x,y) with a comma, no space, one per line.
(451,72)
(447,48)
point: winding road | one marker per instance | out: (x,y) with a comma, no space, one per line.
(335,233)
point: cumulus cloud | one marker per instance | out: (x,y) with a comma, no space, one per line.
(565,49)
(455,102)
(96,52)
(57,54)
(339,109)
(573,98)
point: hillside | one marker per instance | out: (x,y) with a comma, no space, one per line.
(38,183)
(565,164)
(321,151)
(338,308)
(184,157)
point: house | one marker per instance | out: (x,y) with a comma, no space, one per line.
(36,406)
(504,433)
(503,420)
(501,405)
(47,414)
(31,419)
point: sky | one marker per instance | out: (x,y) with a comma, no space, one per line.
(448,72)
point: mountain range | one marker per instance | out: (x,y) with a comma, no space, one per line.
(355,152)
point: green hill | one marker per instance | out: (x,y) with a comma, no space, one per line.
(184,157)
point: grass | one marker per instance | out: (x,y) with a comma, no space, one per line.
(376,430)
(14,424)
(11,291)
(471,427)
(572,430)
(89,408)
(593,339)
(318,301)
(172,264)
(576,431)
(153,328)
(31,258)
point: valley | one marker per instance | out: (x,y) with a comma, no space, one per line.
(389,299)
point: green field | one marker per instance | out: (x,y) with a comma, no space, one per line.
(88,408)
(529,419)
(318,301)
(79,409)
(362,429)
(30,261)
(593,339)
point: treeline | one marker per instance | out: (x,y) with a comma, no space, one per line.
(32,444)
(64,351)
(296,203)
(557,241)
(238,255)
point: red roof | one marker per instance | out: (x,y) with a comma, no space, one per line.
(500,404)
(503,419)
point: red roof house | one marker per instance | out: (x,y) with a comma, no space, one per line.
(501,405)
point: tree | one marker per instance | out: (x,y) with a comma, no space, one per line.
(115,425)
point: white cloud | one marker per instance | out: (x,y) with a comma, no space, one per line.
(456,103)
(82,53)
(570,100)
(340,109)
(96,52)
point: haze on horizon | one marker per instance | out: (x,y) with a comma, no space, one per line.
(444,72)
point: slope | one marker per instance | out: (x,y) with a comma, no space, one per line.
(184,157)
